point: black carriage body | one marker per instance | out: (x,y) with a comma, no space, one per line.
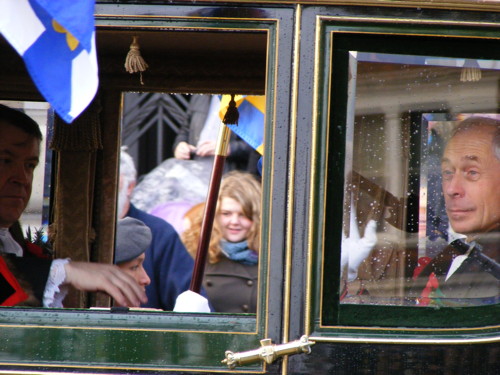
(297,54)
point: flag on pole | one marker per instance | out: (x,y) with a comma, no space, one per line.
(250,125)
(56,40)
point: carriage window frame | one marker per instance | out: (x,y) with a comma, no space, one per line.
(92,331)
(338,38)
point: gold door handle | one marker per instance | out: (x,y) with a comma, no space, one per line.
(268,352)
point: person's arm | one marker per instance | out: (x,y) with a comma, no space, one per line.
(183,134)
(108,278)
(90,277)
(191,125)
(355,249)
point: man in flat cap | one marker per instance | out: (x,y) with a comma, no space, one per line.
(133,237)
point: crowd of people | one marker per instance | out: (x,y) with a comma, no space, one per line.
(154,263)
(152,267)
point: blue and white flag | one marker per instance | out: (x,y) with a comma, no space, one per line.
(56,40)
(250,126)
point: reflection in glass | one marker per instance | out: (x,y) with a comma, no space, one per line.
(401,111)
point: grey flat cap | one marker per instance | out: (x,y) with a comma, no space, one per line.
(133,237)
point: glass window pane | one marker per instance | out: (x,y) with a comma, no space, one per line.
(166,167)
(400,215)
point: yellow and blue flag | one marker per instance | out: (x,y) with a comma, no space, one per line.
(250,125)
(56,40)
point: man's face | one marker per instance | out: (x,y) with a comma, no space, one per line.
(135,268)
(19,155)
(471,182)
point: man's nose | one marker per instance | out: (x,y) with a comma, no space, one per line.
(454,186)
(145,280)
(20,174)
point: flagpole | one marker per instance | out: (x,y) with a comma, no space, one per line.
(211,203)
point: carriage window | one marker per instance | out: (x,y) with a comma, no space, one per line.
(421,210)
(169,149)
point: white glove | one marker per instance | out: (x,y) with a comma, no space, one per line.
(190,301)
(356,249)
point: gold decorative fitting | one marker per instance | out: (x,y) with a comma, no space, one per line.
(471,72)
(268,352)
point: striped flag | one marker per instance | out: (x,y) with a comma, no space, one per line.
(56,40)
(250,126)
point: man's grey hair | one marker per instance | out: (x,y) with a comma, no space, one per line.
(478,121)
(127,166)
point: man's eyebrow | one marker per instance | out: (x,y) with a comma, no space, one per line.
(10,153)
(470,158)
(465,157)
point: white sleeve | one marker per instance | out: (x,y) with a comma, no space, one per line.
(54,292)
(190,301)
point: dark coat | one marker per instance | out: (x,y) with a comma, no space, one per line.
(473,283)
(32,274)
(167,262)
(231,286)
(31,271)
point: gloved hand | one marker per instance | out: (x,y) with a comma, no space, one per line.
(356,249)
(190,301)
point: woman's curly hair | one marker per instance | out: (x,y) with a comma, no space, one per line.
(244,188)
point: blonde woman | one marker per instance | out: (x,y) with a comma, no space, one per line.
(231,274)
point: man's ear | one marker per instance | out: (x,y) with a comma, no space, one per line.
(130,188)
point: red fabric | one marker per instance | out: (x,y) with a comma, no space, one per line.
(36,250)
(19,295)
(432,284)
(422,263)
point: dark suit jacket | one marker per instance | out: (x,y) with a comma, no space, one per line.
(473,283)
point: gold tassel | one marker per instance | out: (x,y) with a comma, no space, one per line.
(471,72)
(134,62)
